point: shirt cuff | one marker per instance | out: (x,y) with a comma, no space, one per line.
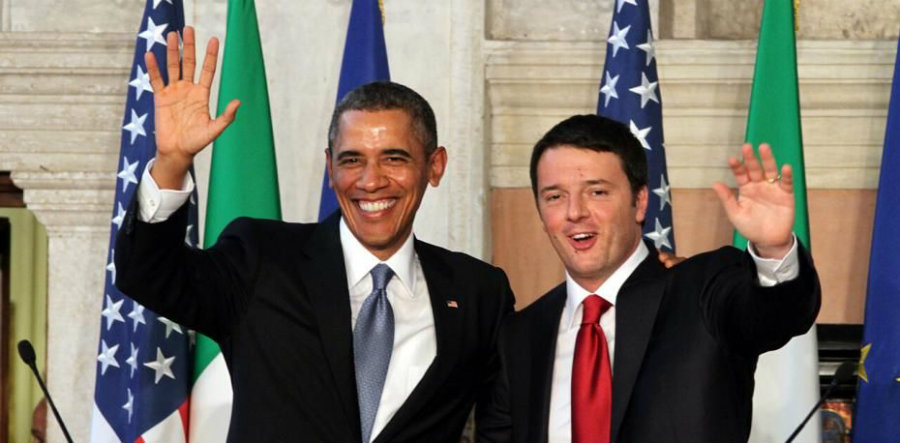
(772,271)
(157,205)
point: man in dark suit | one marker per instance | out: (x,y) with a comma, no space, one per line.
(346,330)
(626,350)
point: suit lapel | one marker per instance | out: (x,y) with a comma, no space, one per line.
(636,308)
(542,334)
(325,278)
(448,328)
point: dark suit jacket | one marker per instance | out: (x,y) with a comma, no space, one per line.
(274,296)
(687,342)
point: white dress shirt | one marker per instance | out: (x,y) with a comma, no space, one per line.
(770,272)
(415,340)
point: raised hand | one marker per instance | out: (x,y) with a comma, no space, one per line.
(183,123)
(763,210)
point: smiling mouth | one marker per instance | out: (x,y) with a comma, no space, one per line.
(581,237)
(583,241)
(376,206)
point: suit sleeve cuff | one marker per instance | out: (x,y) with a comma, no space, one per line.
(771,272)
(157,205)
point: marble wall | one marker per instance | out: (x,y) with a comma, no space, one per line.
(816,19)
(588,20)
(844,88)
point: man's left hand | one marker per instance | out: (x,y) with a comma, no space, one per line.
(763,210)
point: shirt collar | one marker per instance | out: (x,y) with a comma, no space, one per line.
(609,290)
(358,261)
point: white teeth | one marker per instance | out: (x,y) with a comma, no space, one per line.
(376,206)
(582,236)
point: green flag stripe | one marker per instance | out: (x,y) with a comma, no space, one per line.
(204,352)
(243,176)
(775,106)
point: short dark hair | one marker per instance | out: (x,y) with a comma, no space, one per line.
(383,96)
(599,134)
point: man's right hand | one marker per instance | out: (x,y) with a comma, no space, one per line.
(183,124)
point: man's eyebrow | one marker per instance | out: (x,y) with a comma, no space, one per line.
(548,188)
(350,153)
(396,152)
(591,182)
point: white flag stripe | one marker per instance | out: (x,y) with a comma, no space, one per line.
(211,403)
(787,386)
(169,430)
(101,431)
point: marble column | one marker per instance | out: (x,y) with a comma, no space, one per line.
(61,110)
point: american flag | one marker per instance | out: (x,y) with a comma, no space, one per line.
(629,93)
(143,360)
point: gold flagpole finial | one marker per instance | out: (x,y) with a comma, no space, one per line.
(381,8)
(796,16)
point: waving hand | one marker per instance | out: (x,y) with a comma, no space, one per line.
(763,210)
(183,123)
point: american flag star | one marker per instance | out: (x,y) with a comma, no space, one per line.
(631,66)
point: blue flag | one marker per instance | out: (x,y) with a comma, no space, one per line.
(365,61)
(143,360)
(878,401)
(629,93)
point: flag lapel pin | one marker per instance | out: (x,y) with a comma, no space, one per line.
(452,304)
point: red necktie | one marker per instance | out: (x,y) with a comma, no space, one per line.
(591,377)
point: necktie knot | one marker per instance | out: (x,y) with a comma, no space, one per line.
(381,275)
(594,307)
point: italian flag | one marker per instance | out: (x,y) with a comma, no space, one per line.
(787,380)
(243,182)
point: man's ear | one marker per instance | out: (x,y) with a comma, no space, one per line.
(537,205)
(437,164)
(328,167)
(640,203)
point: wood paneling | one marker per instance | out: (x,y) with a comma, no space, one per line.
(841,230)
(520,245)
(841,234)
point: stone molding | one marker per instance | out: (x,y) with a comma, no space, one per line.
(68,202)
(61,100)
(705,85)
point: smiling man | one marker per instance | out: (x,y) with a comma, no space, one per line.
(346,330)
(626,350)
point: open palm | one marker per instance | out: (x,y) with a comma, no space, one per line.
(183,123)
(763,210)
